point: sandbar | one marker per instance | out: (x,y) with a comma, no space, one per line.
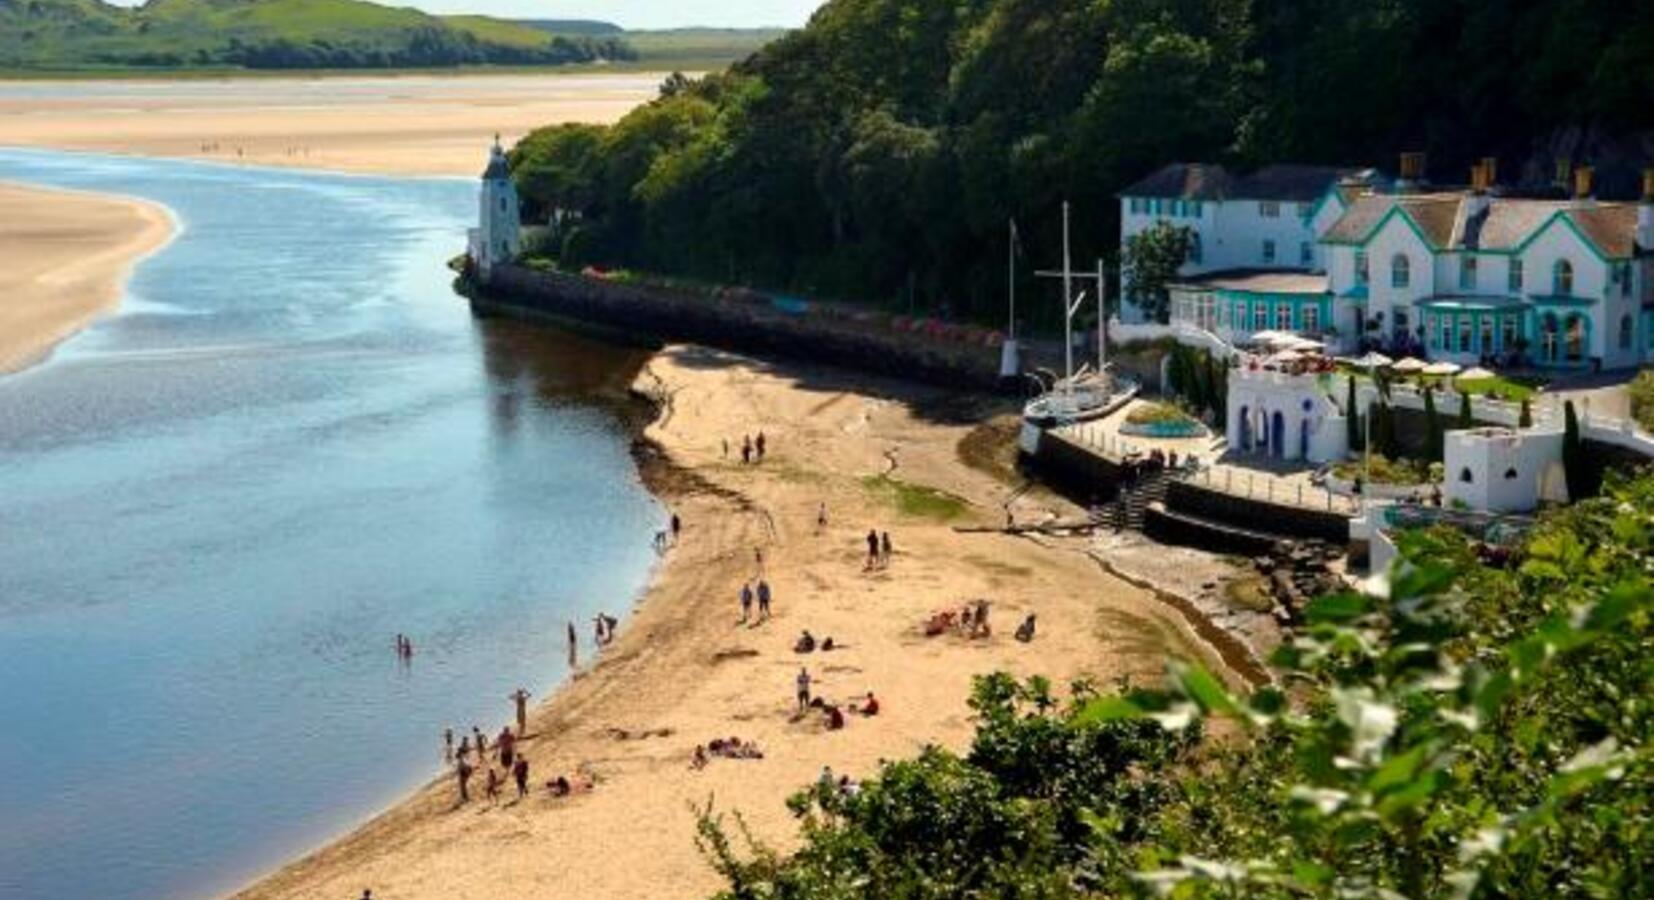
(64,260)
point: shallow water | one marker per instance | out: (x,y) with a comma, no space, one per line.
(219,506)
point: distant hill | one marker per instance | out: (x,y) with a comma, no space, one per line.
(696,47)
(572,26)
(277,34)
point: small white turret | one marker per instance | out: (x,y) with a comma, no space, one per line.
(498,236)
(1645,214)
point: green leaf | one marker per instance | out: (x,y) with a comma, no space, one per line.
(1337,608)
(1397,770)
(1107,709)
(1204,689)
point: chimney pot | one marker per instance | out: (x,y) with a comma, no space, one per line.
(1648,185)
(1582,182)
(1490,170)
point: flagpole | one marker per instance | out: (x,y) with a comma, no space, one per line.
(1011,327)
(1102,313)
(1067,298)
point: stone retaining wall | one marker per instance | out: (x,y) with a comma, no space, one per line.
(749,325)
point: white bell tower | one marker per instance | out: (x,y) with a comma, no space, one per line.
(498,237)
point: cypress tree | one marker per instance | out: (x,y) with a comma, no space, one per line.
(1465,421)
(1375,427)
(1526,420)
(1432,428)
(1576,467)
(1352,427)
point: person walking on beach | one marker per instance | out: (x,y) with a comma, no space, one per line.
(803,682)
(520,772)
(493,785)
(884,547)
(463,770)
(520,697)
(746,602)
(447,745)
(507,745)
(821,518)
(677,528)
(872,549)
(464,747)
(481,743)
(758,446)
(574,647)
(746,449)
(763,600)
(726,448)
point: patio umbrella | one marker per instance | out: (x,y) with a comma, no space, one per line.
(1373,360)
(1441,368)
(1476,374)
(1409,364)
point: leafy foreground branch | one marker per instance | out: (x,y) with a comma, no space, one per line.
(1482,733)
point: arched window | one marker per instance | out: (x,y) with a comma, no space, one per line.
(1465,476)
(1562,278)
(1625,332)
(1401,271)
(1510,474)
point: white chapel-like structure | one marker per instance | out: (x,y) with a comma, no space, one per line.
(497,238)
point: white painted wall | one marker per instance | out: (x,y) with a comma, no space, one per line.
(1256,396)
(499,233)
(1397,238)
(1508,470)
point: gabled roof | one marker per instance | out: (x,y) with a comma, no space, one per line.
(1287,183)
(1610,226)
(1432,216)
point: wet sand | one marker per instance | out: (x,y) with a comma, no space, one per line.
(684,670)
(402,124)
(64,259)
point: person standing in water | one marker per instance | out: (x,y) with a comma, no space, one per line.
(447,745)
(520,697)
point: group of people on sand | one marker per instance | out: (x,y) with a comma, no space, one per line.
(807,643)
(841,784)
(505,752)
(878,550)
(667,537)
(832,713)
(970,620)
(752,448)
(727,748)
(762,594)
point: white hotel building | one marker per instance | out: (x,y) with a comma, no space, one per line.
(1467,275)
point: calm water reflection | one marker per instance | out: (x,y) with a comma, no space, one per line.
(218,508)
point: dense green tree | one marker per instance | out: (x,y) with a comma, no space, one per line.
(1573,453)
(1152,258)
(1432,428)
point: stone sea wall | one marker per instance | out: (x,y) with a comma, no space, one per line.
(748,322)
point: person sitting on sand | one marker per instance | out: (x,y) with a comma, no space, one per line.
(805,643)
(827,644)
(1025,631)
(940,623)
(979,621)
(697,761)
(869,708)
(559,786)
(835,717)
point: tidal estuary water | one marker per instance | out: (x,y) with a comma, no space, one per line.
(219,506)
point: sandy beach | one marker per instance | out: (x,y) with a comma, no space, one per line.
(396,124)
(913,461)
(64,257)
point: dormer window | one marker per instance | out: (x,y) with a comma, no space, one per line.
(1562,278)
(1269,209)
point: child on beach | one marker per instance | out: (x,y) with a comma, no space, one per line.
(493,785)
